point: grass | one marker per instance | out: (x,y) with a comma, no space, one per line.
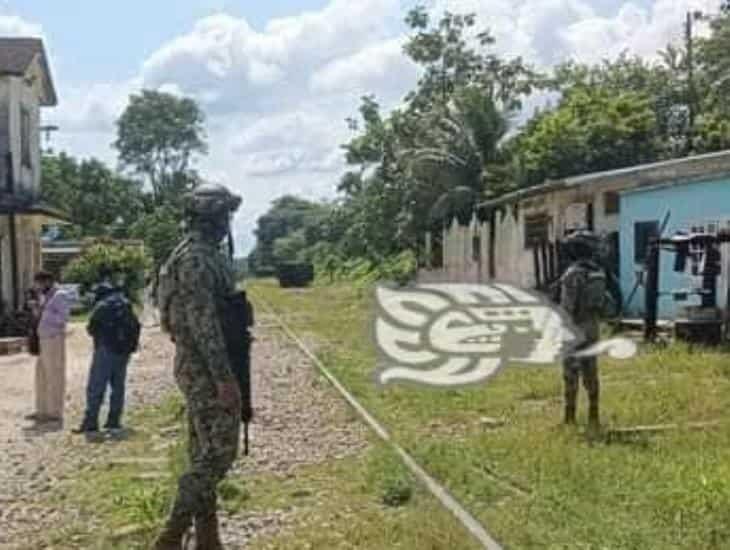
(111,496)
(533,483)
(368,501)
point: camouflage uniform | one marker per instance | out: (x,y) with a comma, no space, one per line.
(582,293)
(193,282)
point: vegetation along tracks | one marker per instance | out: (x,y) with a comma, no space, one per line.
(472,525)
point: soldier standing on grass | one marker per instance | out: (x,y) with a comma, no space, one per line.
(196,277)
(582,296)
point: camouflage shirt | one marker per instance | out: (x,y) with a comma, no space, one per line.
(193,283)
(582,296)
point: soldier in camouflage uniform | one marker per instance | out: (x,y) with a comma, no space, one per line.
(195,279)
(582,295)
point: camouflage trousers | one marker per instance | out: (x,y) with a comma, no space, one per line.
(587,369)
(214,435)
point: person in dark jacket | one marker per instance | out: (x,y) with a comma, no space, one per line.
(115,330)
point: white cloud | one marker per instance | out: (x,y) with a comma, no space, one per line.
(276,98)
(12,25)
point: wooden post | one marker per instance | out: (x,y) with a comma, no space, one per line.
(544,262)
(13,233)
(551,261)
(651,299)
(14,260)
(536,265)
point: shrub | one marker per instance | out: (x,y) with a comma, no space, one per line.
(127,264)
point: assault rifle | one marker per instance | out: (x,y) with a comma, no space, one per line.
(238,319)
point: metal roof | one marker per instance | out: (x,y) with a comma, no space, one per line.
(643,175)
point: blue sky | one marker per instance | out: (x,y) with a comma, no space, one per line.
(97,39)
(277,78)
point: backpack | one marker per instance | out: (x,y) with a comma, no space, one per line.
(592,292)
(119,328)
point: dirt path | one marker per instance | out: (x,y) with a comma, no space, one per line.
(32,461)
(299,421)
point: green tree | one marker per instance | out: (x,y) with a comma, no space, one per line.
(98,201)
(593,129)
(161,230)
(450,62)
(663,83)
(127,263)
(296,224)
(158,138)
(290,248)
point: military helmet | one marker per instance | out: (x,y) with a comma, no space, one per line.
(582,243)
(211,200)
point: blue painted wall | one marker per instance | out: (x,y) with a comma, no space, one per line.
(689,204)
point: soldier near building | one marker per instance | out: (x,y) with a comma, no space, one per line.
(582,296)
(195,280)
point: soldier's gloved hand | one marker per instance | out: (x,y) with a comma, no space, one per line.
(229,396)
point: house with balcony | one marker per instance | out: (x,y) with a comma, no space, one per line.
(26,86)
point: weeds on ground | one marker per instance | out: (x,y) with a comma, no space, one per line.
(534,483)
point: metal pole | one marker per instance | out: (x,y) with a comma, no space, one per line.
(651,299)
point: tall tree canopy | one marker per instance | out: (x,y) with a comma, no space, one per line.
(98,201)
(593,129)
(288,229)
(158,138)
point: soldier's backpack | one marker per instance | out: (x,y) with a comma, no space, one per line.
(592,303)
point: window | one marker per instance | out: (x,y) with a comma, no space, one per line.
(536,230)
(611,203)
(25,153)
(643,231)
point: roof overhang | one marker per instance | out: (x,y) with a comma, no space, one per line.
(687,169)
(32,208)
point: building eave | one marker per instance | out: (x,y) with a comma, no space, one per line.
(645,175)
(10,205)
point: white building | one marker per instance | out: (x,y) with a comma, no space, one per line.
(26,86)
(514,238)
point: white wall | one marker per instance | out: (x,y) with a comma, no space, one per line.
(513,262)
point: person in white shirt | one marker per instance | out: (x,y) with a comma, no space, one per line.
(50,374)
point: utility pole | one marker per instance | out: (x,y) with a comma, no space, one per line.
(692,106)
(690,81)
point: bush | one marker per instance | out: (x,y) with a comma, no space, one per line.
(400,269)
(295,274)
(127,264)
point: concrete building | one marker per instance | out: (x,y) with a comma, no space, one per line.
(699,205)
(26,86)
(514,238)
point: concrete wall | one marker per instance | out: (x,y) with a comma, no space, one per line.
(29,256)
(16,93)
(513,261)
(690,203)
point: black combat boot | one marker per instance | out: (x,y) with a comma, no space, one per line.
(569,413)
(593,417)
(207,536)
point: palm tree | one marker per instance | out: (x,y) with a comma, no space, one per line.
(456,157)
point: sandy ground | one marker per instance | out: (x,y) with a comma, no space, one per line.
(299,420)
(33,460)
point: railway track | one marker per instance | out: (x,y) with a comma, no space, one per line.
(445,498)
